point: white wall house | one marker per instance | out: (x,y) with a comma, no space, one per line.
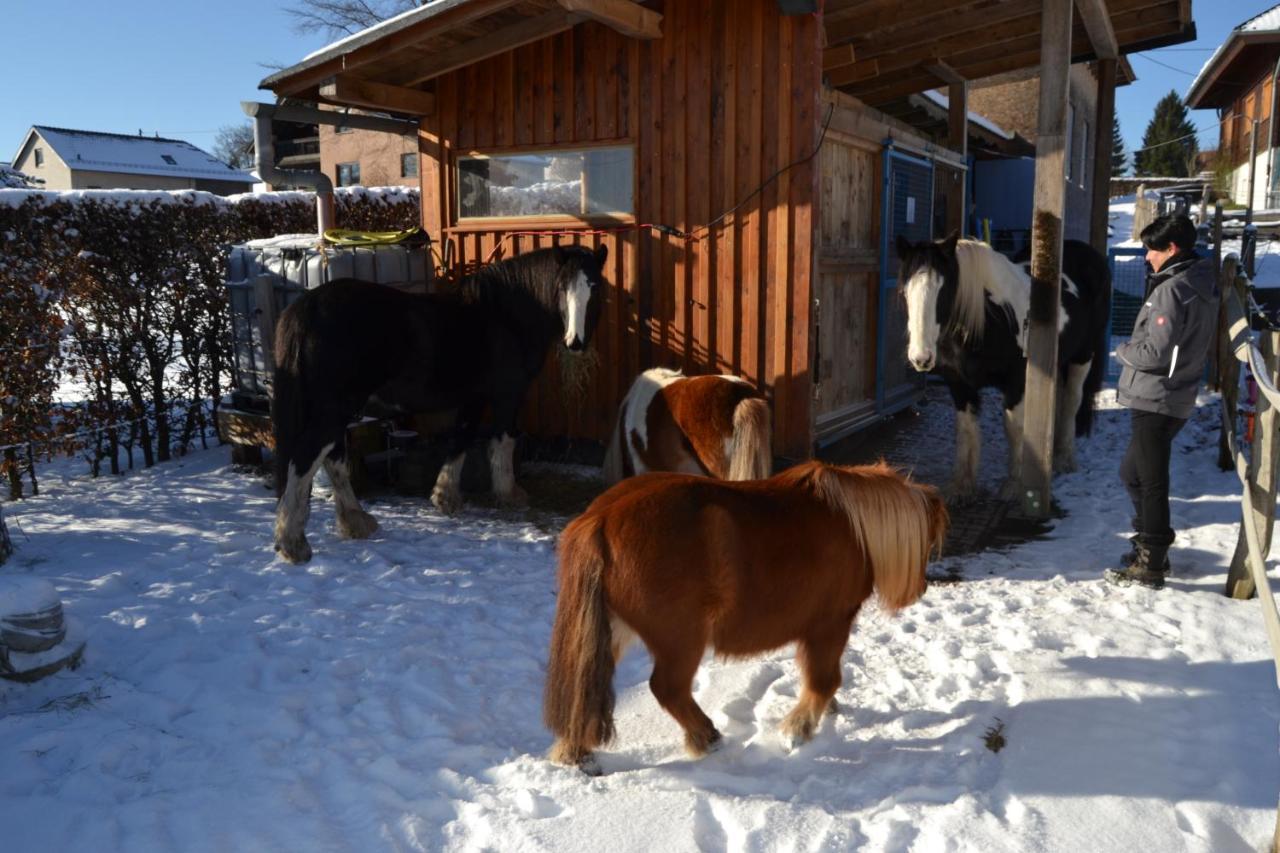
(81,159)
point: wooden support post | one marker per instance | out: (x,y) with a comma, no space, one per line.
(1041,396)
(1262,477)
(264,302)
(1101,201)
(958,141)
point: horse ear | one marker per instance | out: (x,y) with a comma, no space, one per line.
(949,244)
(904,246)
(557,254)
(602,252)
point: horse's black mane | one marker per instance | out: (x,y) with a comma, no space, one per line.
(533,274)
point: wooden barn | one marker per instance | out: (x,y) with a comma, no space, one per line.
(738,157)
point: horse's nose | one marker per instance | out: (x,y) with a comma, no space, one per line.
(922,362)
(576,345)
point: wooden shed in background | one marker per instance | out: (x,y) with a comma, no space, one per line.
(743,245)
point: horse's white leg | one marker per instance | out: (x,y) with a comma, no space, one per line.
(1013,433)
(964,480)
(353,522)
(502,472)
(1064,432)
(447,494)
(293,510)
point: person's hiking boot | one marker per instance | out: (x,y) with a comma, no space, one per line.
(1143,570)
(1131,556)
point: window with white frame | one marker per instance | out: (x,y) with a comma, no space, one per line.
(409,165)
(567,182)
(39,157)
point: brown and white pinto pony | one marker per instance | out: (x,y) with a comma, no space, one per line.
(711,426)
(685,562)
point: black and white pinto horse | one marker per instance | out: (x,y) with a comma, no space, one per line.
(477,349)
(967,310)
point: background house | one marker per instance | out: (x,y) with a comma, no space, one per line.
(82,159)
(350,156)
(1239,82)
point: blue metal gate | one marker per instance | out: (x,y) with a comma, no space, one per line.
(1128,292)
(907,210)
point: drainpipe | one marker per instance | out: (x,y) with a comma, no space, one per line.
(265,152)
(1271,137)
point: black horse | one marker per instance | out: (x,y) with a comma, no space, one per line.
(967,311)
(480,348)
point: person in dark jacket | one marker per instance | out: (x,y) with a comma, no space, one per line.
(1163,363)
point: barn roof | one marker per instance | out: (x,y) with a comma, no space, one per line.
(1234,66)
(133,155)
(878,50)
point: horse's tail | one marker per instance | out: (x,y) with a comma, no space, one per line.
(578,703)
(287,415)
(752,457)
(614,464)
(899,524)
(1100,276)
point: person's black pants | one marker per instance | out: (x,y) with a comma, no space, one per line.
(1145,473)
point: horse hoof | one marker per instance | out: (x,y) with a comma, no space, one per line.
(517,498)
(448,502)
(1065,466)
(294,550)
(703,744)
(357,525)
(590,766)
(833,707)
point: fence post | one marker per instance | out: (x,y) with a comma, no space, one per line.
(1262,477)
(6,544)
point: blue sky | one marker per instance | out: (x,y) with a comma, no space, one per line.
(181,69)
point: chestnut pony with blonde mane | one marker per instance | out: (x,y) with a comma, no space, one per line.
(687,562)
(711,426)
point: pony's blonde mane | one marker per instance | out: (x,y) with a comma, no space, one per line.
(895,520)
(983,272)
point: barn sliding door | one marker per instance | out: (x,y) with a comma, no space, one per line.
(906,210)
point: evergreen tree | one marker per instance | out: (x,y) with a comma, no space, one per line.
(1169,145)
(1119,159)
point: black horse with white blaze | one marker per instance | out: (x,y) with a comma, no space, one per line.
(967,310)
(473,351)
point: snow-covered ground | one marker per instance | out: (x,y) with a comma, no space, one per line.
(387,695)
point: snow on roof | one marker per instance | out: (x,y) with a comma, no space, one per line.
(980,120)
(136,155)
(1268,20)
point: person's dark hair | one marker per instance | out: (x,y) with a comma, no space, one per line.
(1171,229)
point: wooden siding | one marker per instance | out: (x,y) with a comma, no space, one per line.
(727,97)
(849,278)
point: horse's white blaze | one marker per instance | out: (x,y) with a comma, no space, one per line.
(639,398)
(577,295)
(501,466)
(922,318)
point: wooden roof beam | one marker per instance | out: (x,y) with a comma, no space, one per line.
(838,57)
(1097,22)
(352,91)
(630,19)
(508,38)
(946,73)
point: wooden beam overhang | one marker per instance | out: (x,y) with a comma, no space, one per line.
(909,42)
(1098,24)
(347,90)
(946,73)
(508,38)
(629,18)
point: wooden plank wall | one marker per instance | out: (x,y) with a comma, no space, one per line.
(849,275)
(727,97)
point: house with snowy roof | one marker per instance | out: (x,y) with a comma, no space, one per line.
(67,159)
(1239,81)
